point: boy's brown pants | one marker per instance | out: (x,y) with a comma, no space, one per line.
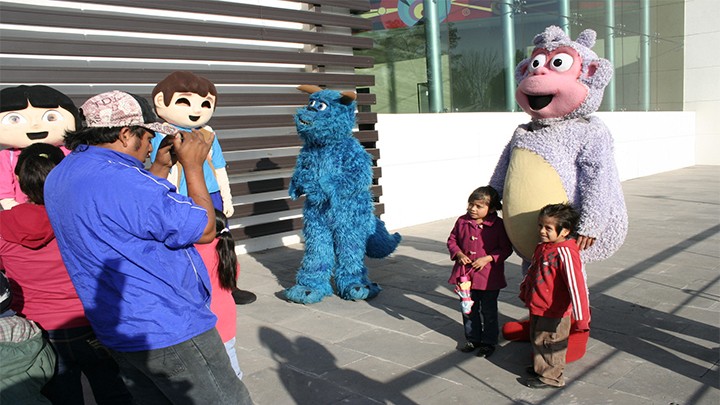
(549,339)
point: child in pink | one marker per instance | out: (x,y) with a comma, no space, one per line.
(479,246)
(554,288)
(222,265)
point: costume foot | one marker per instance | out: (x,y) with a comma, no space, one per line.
(357,292)
(306,295)
(535,382)
(243,297)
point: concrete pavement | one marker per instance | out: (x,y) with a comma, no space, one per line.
(654,338)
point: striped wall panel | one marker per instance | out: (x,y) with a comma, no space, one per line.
(256,53)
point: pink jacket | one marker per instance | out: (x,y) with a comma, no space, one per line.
(488,238)
(222,303)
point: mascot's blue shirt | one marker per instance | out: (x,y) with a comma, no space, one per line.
(127,241)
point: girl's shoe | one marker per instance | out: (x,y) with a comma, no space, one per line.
(485,350)
(468,348)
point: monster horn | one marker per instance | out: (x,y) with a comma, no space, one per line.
(309,88)
(347,97)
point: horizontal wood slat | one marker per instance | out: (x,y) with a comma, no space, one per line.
(279,205)
(271,228)
(19,74)
(268,121)
(87,47)
(272,163)
(281,141)
(352,5)
(296,98)
(282,182)
(243,10)
(86,19)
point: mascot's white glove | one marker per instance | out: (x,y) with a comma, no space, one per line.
(8,203)
(224,183)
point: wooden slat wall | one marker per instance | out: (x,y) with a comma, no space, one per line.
(255,53)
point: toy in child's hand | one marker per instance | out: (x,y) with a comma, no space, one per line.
(187,101)
(334,172)
(563,153)
(28,115)
(463,289)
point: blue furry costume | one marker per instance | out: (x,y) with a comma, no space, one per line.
(334,172)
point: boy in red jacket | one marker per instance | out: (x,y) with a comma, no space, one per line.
(553,288)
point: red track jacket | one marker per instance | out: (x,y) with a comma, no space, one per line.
(555,285)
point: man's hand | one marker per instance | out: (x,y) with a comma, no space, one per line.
(191,148)
(164,158)
(584,242)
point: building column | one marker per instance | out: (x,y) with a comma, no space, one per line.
(434,61)
(506,14)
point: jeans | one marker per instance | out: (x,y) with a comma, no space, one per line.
(481,324)
(78,351)
(196,371)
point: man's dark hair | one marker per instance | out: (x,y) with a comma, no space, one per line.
(97,136)
(564,214)
(34,164)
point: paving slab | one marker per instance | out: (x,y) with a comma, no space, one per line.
(655,335)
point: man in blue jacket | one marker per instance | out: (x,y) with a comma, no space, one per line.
(127,238)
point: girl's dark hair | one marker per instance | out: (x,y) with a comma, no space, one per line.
(34,164)
(97,135)
(489,194)
(565,216)
(227,264)
(17,98)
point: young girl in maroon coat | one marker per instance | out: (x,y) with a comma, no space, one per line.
(479,245)
(553,288)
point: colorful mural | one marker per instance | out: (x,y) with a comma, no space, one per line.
(388,14)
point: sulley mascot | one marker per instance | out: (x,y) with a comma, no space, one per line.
(334,172)
(562,154)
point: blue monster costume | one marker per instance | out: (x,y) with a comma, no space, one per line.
(334,172)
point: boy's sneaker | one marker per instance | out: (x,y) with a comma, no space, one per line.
(485,350)
(468,348)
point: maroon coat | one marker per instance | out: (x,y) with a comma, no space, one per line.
(488,238)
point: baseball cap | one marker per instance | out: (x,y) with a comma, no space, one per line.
(120,109)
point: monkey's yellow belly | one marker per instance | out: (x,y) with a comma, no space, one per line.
(530,184)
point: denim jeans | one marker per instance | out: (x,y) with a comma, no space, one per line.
(78,351)
(481,324)
(196,371)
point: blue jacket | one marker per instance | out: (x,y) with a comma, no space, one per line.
(126,238)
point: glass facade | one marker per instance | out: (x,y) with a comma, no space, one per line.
(642,38)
